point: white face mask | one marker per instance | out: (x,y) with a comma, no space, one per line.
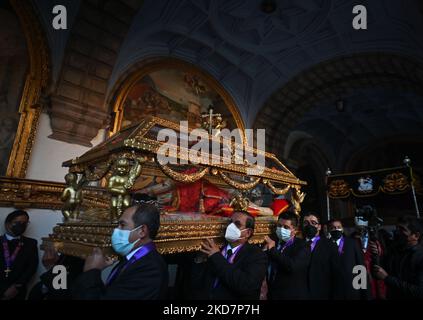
(283,234)
(233,233)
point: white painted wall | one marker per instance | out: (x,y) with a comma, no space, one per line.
(48,155)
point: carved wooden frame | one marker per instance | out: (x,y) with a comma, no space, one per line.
(36,80)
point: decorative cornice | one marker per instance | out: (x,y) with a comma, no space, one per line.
(25,193)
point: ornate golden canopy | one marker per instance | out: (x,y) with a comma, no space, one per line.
(116,164)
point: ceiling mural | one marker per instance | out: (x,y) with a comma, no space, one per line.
(176,95)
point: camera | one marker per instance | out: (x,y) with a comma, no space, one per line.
(373,223)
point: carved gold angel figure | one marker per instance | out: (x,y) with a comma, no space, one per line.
(72,196)
(120,182)
(297,199)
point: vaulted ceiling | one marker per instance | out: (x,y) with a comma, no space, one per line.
(284,69)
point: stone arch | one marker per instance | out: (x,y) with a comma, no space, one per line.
(333,80)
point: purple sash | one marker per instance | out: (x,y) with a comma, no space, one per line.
(232,257)
(231,261)
(271,270)
(143,251)
(287,244)
(314,242)
(8,259)
(341,246)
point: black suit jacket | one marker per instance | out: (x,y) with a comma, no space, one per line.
(291,267)
(351,256)
(237,281)
(145,279)
(325,277)
(44,289)
(405,273)
(23,268)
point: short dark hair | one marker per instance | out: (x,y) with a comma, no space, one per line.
(312,214)
(148,215)
(17,213)
(415,225)
(289,215)
(334,220)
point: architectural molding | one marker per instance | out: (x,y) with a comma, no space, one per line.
(37,194)
(36,81)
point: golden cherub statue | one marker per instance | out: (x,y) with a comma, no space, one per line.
(296,199)
(122,179)
(72,196)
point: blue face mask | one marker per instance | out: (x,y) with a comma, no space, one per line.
(120,241)
(283,234)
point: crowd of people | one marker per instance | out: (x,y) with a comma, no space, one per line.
(303,260)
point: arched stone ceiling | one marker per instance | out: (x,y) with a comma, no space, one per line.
(370,115)
(253,54)
(332,80)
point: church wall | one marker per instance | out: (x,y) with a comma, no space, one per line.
(48,155)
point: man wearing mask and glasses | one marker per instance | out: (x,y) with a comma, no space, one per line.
(351,256)
(141,274)
(18,257)
(234,272)
(325,279)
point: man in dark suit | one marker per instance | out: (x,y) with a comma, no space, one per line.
(141,274)
(289,260)
(325,273)
(44,289)
(237,271)
(18,257)
(351,256)
(403,267)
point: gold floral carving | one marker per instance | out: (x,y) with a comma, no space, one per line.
(239,185)
(183,177)
(339,188)
(276,190)
(396,181)
(78,239)
(24,193)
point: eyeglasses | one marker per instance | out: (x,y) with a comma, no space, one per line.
(313,223)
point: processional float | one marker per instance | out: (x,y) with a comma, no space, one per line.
(132,155)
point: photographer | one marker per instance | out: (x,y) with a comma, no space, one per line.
(403,273)
(367,235)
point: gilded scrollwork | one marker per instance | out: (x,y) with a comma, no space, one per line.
(339,188)
(78,238)
(275,190)
(183,177)
(239,185)
(396,181)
